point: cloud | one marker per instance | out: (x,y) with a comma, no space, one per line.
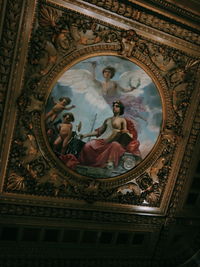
(154,119)
(146,147)
(95,100)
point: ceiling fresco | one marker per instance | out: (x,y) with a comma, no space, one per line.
(99,133)
(101,115)
(92,97)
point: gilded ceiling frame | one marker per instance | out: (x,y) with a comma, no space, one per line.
(174,135)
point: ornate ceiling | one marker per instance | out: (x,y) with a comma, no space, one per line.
(43,44)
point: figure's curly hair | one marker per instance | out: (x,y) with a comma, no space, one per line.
(121,106)
(70,115)
(110,69)
(67,99)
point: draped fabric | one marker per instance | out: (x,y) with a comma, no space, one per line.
(97,153)
(133,146)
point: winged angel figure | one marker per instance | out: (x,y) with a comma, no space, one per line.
(103,93)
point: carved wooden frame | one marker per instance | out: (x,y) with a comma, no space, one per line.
(172,140)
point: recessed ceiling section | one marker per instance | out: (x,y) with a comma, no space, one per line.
(104,116)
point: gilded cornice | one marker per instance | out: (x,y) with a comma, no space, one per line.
(169,11)
(147,25)
(187,14)
(36,188)
(171,62)
(14,45)
(39,78)
(165,23)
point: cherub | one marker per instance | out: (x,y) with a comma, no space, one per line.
(58,108)
(65,132)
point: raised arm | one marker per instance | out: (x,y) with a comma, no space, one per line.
(68,108)
(93,71)
(130,88)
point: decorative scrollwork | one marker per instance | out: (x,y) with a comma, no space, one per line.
(129,42)
(8,42)
(58,39)
(152,20)
(59,33)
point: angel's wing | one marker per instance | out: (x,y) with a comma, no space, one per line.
(80,80)
(138,79)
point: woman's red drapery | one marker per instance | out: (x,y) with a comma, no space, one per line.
(97,153)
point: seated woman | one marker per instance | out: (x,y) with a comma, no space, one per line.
(115,139)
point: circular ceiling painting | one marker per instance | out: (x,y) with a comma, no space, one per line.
(103,116)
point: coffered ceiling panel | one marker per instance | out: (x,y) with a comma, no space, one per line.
(62,66)
(54,91)
(99,132)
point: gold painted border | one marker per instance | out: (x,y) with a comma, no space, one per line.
(49,83)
